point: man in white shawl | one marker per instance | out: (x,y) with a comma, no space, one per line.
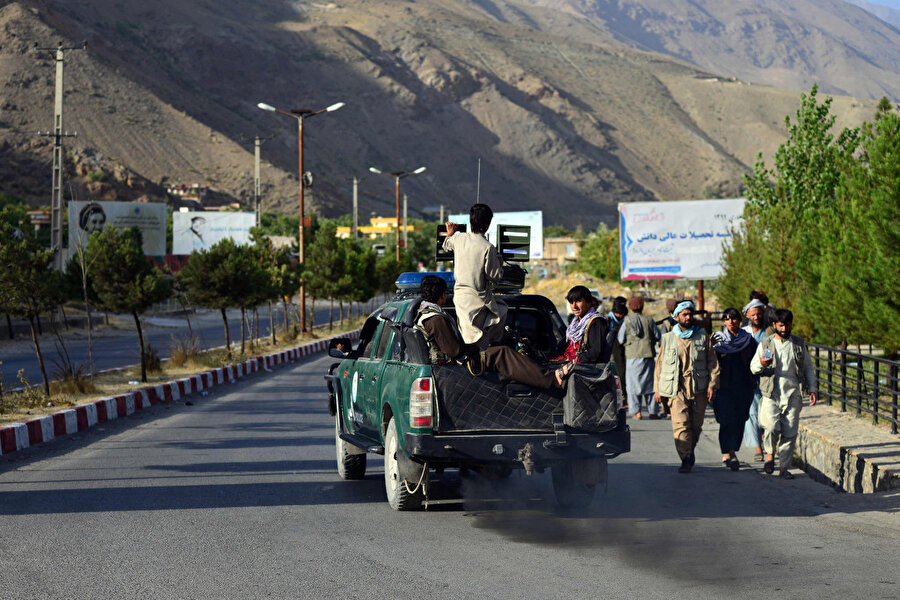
(476,264)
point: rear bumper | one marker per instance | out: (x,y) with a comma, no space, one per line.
(502,449)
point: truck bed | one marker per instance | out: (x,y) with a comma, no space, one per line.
(489,402)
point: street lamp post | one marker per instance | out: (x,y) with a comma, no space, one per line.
(397,175)
(300,114)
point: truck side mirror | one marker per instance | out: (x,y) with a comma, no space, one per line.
(339,347)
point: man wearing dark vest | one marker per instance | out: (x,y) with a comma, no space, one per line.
(783,365)
(445,344)
(687,373)
(638,335)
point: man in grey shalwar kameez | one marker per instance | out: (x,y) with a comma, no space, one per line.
(639,335)
(476,264)
(783,364)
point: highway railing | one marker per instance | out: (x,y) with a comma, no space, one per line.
(858,382)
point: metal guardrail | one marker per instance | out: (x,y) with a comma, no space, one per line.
(863,383)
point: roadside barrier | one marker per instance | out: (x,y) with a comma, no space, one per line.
(865,384)
(19,436)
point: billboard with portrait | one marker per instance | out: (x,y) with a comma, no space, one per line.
(675,240)
(200,230)
(88,217)
(532,218)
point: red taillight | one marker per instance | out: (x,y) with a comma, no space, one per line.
(420,403)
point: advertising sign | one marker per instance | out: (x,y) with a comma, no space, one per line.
(149,217)
(200,230)
(675,240)
(534,218)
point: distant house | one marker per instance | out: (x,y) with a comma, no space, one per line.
(191,195)
(560,250)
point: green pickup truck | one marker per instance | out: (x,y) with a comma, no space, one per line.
(387,398)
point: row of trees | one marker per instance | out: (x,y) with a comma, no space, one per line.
(113,273)
(821,229)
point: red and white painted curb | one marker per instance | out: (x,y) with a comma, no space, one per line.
(22,435)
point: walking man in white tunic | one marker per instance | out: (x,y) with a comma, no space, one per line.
(476,264)
(783,365)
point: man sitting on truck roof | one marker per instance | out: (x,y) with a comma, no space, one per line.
(445,344)
(475,265)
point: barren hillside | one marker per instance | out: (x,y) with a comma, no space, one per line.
(564,116)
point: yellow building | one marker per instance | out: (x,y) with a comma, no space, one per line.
(378,227)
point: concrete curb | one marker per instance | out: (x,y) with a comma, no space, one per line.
(19,436)
(828,461)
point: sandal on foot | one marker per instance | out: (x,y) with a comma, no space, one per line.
(769,467)
(786,474)
(758,457)
(734,464)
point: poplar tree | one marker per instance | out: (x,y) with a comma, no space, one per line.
(784,211)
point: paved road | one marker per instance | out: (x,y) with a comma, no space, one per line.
(237,497)
(119,348)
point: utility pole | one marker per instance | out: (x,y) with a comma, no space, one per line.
(257,180)
(442,215)
(256,194)
(478,183)
(56,200)
(355,208)
(405,225)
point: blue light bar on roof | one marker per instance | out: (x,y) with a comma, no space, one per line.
(413,280)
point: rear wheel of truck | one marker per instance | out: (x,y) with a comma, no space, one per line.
(569,493)
(401,495)
(351,461)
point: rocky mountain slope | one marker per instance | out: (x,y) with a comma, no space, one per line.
(789,44)
(564,112)
(889,15)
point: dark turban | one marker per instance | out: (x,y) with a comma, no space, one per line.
(636,303)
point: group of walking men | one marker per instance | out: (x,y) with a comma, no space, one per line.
(752,376)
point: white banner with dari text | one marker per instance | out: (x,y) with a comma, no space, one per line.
(676,240)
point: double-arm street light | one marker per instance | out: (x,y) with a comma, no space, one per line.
(398,175)
(301,114)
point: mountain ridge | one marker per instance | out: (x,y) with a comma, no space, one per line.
(564,116)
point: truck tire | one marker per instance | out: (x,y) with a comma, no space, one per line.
(569,493)
(351,461)
(398,496)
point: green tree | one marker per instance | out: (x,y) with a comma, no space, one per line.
(357,283)
(283,279)
(325,265)
(214,278)
(600,255)
(556,231)
(28,284)
(782,220)
(863,250)
(123,279)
